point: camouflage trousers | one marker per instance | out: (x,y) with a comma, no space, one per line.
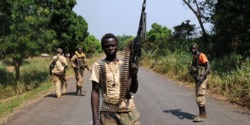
(79,78)
(200,91)
(60,84)
(125,118)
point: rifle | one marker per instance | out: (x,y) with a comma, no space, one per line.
(78,65)
(51,67)
(195,72)
(141,36)
(135,48)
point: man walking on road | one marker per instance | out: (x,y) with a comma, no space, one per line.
(58,66)
(118,107)
(199,70)
(79,63)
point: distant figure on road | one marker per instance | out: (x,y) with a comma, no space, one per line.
(118,107)
(79,63)
(199,70)
(58,66)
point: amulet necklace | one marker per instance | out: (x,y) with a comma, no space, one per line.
(113,73)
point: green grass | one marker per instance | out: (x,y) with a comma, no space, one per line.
(35,82)
(9,105)
(34,72)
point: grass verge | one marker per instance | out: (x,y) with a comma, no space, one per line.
(7,106)
(10,104)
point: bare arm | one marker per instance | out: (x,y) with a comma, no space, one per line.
(204,76)
(94,103)
(207,69)
(87,64)
(134,84)
(72,61)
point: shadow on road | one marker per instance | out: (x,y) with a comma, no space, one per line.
(66,94)
(71,93)
(180,114)
(51,96)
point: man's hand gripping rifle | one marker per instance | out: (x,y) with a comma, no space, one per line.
(135,48)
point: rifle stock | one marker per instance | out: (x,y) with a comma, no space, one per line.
(51,67)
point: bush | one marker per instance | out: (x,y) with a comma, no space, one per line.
(230,75)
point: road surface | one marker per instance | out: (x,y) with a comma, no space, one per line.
(160,102)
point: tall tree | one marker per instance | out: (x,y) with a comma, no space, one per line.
(90,45)
(70,29)
(203,11)
(158,37)
(122,41)
(27,20)
(184,31)
(232,24)
(5,11)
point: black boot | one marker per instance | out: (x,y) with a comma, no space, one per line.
(77,90)
(203,113)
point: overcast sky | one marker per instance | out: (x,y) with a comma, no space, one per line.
(121,17)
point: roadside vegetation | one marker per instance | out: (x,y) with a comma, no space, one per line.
(34,74)
(34,83)
(30,28)
(227,84)
(168,53)
(226,44)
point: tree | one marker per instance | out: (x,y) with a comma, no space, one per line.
(203,11)
(232,24)
(90,45)
(184,31)
(70,29)
(25,20)
(5,11)
(30,27)
(122,41)
(158,38)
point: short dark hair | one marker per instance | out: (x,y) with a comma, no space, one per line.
(107,36)
(59,51)
(79,49)
(194,44)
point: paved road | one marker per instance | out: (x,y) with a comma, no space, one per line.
(159,100)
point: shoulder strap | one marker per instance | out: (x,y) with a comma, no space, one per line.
(197,62)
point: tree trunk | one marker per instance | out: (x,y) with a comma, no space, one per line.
(17,65)
(198,16)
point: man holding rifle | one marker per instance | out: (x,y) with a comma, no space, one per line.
(199,70)
(79,63)
(114,80)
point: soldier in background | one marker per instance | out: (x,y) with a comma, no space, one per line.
(199,70)
(58,66)
(79,63)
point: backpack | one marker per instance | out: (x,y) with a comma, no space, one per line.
(57,66)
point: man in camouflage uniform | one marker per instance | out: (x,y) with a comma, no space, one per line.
(199,70)
(107,82)
(58,66)
(79,63)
